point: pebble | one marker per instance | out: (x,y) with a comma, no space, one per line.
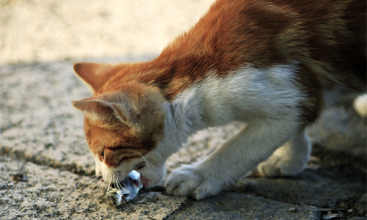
(332,215)
(292,210)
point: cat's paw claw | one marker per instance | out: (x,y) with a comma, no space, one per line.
(183,181)
(187,181)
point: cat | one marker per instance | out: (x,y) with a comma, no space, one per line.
(267,63)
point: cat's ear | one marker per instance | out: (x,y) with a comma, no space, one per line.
(105,109)
(94,74)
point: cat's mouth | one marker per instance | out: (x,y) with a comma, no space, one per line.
(125,190)
(144,180)
(123,184)
(133,178)
(140,166)
(137,180)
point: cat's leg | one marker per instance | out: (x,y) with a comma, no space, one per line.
(288,160)
(231,161)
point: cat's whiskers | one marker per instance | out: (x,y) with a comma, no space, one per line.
(149,165)
(155,168)
(99,185)
(156,171)
(109,184)
(119,187)
(108,187)
(97,188)
(85,184)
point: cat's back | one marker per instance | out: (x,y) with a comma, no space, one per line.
(327,37)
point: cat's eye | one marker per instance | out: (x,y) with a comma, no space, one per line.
(140,165)
(102,154)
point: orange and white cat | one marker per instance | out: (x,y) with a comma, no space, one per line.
(266,63)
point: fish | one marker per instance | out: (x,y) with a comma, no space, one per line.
(130,188)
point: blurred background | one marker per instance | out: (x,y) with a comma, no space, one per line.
(45,30)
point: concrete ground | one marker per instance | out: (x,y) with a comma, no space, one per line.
(46,170)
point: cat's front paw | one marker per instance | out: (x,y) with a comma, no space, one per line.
(187,180)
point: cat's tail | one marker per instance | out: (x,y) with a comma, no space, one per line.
(360,105)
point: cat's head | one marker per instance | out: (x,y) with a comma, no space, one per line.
(124,126)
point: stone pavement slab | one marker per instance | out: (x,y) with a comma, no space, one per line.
(38,125)
(309,188)
(48,193)
(361,205)
(240,206)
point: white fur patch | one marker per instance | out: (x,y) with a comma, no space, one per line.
(265,99)
(98,165)
(240,96)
